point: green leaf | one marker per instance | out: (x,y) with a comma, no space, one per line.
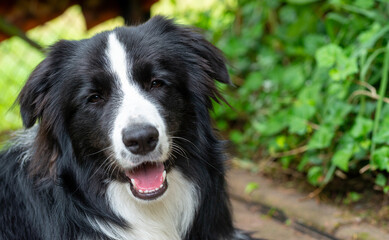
(344,67)
(333,56)
(314,175)
(312,42)
(369,41)
(253,82)
(352,197)
(297,125)
(293,77)
(285,161)
(273,125)
(366,4)
(304,161)
(381,158)
(288,14)
(250,187)
(381,180)
(382,135)
(362,127)
(338,18)
(236,136)
(326,56)
(369,34)
(336,112)
(222,125)
(321,138)
(303,110)
(341,158)
(281,141)
(310,94)
(337,91)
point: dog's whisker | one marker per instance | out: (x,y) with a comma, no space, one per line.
(109,147)
(114,171)
(179,150)
(182,138)
(94,173)
(102,166)
(109,167)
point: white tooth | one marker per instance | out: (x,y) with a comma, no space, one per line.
(133,182)
(161,185)
(140,191)
(164,176)
(147,191)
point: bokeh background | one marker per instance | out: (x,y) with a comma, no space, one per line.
(309,97)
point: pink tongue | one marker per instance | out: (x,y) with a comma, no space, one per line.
(148,176)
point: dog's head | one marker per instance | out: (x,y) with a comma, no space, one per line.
(117,101)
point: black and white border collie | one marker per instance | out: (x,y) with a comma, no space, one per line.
(123,147)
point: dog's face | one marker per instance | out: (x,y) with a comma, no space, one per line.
(121,99)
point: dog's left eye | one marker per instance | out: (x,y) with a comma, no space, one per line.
(95,98)
(156,83)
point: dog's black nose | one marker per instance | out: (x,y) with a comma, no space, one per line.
(140,139)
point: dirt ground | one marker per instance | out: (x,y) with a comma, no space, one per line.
(275,212)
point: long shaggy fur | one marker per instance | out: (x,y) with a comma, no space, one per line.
(60,178)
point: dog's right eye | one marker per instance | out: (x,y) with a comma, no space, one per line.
(95,98)
(156,83)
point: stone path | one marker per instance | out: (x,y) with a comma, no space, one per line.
(277,213)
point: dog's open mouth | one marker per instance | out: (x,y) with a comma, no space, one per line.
(148,181)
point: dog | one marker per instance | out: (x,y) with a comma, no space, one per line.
(118,141)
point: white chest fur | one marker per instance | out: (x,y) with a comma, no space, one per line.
(167,218)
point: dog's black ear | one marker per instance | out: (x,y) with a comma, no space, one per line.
(33,98)
(211,62)
(211,59)
(214,62)
(202,52)
(39,101)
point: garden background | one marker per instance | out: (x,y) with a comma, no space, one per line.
(308,100)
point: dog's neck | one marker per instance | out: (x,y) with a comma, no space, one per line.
(167,218)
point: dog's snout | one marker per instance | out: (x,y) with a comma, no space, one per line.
(140,139)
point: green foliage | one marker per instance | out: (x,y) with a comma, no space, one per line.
(352,197)
(306,75)
(250,187)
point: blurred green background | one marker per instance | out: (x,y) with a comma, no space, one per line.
(310,81)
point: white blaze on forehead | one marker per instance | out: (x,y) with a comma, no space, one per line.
(117,58)
(134,108)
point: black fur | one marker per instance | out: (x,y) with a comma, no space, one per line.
(51,179)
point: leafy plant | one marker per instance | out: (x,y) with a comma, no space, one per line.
(306,74)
